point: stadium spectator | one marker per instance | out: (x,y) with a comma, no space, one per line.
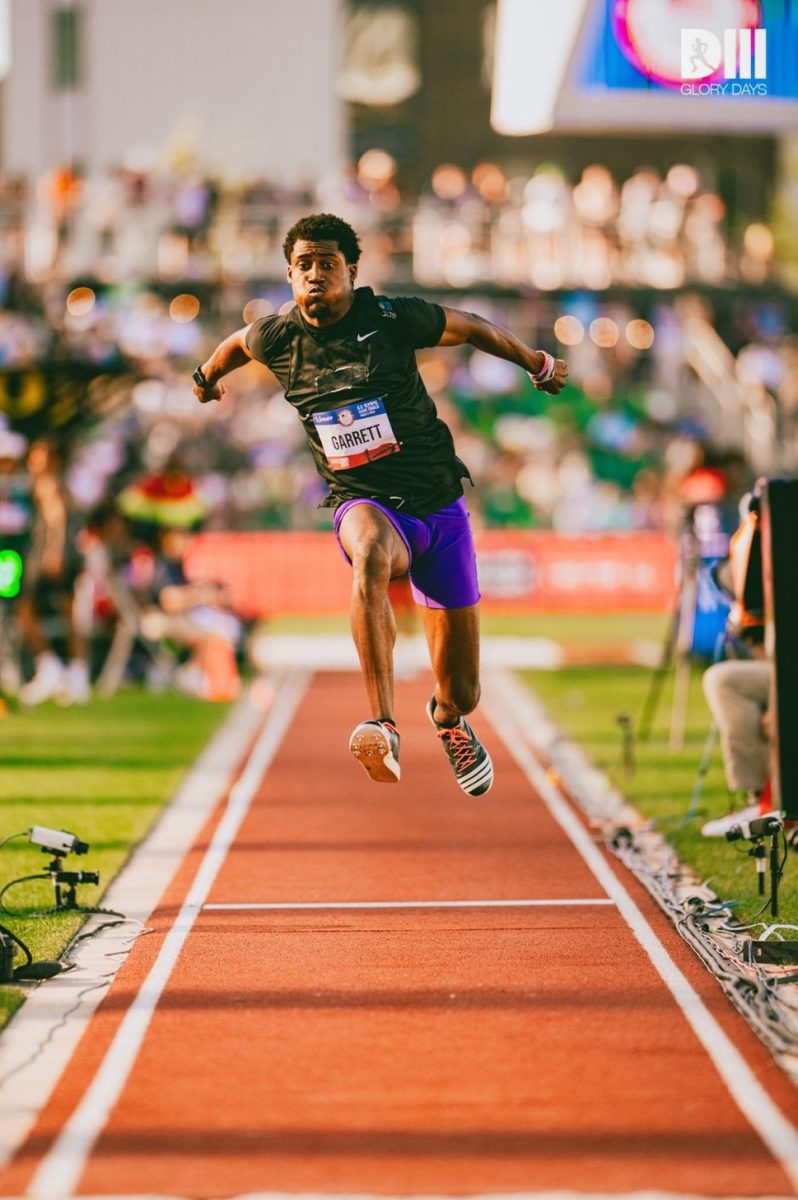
(49,579)
(738,689)
(738,694)
(197,616)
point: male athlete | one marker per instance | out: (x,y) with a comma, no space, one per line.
(346,359)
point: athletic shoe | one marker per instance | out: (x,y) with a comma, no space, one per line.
(469,759)
(721,826)
(75,687)
(375,745)
(46,682)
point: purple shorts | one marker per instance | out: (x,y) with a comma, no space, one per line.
(443,565)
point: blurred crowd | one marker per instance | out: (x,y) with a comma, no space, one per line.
(488,227)
(100,595)
(114,287)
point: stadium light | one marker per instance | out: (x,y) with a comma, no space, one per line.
(5,38)
(533,49)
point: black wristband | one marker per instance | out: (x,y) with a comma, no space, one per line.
(200,379)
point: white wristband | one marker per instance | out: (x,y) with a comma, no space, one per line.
(546,371)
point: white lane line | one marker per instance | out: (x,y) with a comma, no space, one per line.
(508,703)
(60,1170)
(360,904)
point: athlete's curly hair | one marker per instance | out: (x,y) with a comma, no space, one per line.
(323,227)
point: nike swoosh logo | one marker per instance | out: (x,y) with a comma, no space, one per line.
(361,337)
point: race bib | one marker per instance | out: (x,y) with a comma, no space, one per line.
(357,434)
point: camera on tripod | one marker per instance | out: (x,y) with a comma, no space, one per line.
(59,843)
(759,827)
(755,832)
(56,841)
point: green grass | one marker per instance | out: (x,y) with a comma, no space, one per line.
(576,628)
(572,628)
(102,772)
(586,702)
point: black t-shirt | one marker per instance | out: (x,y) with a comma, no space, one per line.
(370,422)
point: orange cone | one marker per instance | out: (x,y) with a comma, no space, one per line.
(222,680)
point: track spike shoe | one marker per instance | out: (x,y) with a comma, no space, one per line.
(468,758)
(375,745)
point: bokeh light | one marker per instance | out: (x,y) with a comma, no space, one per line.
(448,182)
(682,180)
(569,330)
(490,181)
(604,332)
(375,169)
(184,308)
(758,242)
(256,308)
(710,206)
(80,301)
(640,335)
(594,196)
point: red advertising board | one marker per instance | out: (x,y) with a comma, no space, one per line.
(271,573)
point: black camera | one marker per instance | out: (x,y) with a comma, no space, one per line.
(758,828)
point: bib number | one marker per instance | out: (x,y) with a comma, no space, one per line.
(357,434)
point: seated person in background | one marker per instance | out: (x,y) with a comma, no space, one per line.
(48,586)
(197,616)
(738,689)
(109,590)
(738,694)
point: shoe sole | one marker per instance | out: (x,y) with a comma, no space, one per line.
(369,745)
(485,765)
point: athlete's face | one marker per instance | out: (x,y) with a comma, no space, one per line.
(322,281)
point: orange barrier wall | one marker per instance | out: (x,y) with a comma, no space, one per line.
(270,573)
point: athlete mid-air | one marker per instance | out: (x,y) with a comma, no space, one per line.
(346,359)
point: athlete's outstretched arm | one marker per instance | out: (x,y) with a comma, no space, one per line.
(233,352)
(463,327)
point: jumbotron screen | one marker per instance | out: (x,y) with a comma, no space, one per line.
(691,65)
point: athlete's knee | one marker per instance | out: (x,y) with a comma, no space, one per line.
(462,694)
(371,564)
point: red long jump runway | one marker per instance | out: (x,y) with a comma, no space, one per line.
(323,1013)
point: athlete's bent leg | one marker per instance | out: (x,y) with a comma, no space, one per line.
(377,554)
(453,640)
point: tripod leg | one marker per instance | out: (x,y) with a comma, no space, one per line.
(775,873)
(684,649)
(681,695)
(701,774)
(658,678)
(113,670)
